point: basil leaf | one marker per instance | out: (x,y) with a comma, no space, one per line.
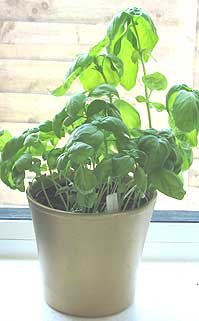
(85,181)
(157,149)
(12,147)
(185,111)
(80,63)
(46,126)
(155,81)
(158,106)
(104,90)
(24,162)
(122,165)
(76,104)
(80,152)
(87,200)
(167,183)
(58,120)
(140,179)
(112,124)
(95,107)
(87,133)
(129,114)
(173,92)
(140,99)
(5,136)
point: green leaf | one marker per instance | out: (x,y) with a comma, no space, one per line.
(80,152)
(95,107)
(129,114)
(86,201)
(5,136)
(112,124)
(115,30)
(192,138)
(187,156)
(145,28)
(122,165)
(18,179)
(140,99)
(12,147)
(58,122)
(94,51)
(104,170)
(87,133)
(91,78)
(130,66)
(104,90)
(168,183)
(76,104)
(62,161)
(24,162)
(31,140)
(158,106)
(157,149)
(173,92)
(46,126)
(140,179)
(52,157)
(155,81)
(80,63)
(85,181)
(185,111)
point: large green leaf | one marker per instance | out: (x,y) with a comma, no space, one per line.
(87,133)
(112,124)
(95,107)
(58,120)
(185,111)
(5,136)
(167,183)
(157,149)
(122,165)
(24,162)
(85,180)
(173,92)
(104,90)
(80,152)
(130,68)
(76,104)
(80,63)
(129,114)
(123,33)
(12,147)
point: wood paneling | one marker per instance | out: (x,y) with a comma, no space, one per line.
(85,10)
(29,108)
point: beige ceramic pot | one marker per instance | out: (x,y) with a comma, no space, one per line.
(89,261)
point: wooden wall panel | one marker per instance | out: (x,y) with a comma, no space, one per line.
(85,10)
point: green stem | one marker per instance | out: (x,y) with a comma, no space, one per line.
(147,95)
(44,191)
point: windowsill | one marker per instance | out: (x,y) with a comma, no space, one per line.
(166,291)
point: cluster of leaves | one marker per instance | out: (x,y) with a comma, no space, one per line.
(95,147)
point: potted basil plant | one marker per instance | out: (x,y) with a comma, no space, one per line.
(96,170)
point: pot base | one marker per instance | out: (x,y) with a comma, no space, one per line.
(56,303)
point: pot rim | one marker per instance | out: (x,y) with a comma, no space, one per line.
(61,213)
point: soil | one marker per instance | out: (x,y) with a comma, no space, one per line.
(55,200)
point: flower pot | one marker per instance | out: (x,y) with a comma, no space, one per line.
(89,261)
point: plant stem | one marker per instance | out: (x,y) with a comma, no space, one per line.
(46,195)
(147,95)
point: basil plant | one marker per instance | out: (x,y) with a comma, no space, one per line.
(95,146)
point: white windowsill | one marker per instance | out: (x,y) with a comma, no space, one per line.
(166,291)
